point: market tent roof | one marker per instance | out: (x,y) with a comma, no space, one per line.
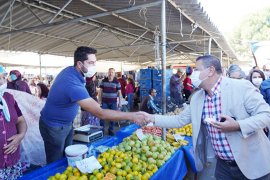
(121,30)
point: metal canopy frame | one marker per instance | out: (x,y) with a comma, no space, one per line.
(134,40)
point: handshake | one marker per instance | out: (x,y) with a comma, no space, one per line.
(142,118)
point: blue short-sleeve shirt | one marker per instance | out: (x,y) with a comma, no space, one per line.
(61,106)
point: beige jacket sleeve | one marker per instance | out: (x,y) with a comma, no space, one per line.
(258,109)
(175,121)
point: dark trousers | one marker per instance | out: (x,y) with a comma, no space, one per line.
(177,98)
(56,139)
(187,94)
(225,171)
(112,106)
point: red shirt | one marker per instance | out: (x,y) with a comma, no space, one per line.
(187,80)
(8,129)
(129,89)
(123,84)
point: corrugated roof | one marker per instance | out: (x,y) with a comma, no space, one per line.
(126,36)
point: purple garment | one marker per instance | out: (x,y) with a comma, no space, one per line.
(19,85)
(8,129)
(175,83)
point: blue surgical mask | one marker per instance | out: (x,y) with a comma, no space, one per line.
(13,77)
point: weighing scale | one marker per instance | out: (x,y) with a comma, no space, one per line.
(88,133)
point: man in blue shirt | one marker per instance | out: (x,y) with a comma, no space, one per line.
(67,93)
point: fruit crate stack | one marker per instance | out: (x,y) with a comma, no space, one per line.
(157,83)
(145,82)
(152,78)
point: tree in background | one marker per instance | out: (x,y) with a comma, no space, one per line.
(255,27)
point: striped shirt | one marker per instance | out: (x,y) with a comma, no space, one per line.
(212,109)
(152,105)
(110,90)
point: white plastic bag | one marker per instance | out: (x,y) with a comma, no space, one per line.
(32,146)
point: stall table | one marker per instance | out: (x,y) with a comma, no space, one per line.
(174,169)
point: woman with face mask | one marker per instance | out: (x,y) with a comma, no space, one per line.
(13,128)
(17,83)
(256,78)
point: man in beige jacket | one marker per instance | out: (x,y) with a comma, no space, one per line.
(233,114)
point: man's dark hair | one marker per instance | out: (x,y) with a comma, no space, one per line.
(82,52)
(209,61)
(151,90)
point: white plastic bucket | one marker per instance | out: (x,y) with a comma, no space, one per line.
(75,153)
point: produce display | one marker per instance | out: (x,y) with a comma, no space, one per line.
(177,144)
(157,131)
(175,112)
(184,131)
(131,159)
(71,174)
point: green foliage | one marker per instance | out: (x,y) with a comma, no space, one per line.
(255,27)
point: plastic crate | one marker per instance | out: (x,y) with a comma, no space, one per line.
(146,84)
(157,74)
(145,74)
(157,85)
(144,92)
(159,94)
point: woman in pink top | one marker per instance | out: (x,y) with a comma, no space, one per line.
(129,93)
(12,130)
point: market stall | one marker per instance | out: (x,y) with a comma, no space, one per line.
(175,162)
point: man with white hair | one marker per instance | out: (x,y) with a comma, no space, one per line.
(236,72)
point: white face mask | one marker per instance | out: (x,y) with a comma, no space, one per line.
(91,71)
(195,79)
(257,81)
(3,87)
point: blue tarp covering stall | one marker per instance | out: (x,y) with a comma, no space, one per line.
(189,153)
(126,131)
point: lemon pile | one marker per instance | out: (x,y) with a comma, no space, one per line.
(184,131)
(130,160)
(71,174)
(175,112)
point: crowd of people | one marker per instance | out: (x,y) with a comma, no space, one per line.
(229,112)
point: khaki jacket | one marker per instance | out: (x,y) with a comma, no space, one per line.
(250,146)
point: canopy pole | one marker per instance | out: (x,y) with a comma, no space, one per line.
(221,58)
(40,65)
(163,57)
(209,45)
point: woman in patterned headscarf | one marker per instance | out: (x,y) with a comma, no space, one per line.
(13,128)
